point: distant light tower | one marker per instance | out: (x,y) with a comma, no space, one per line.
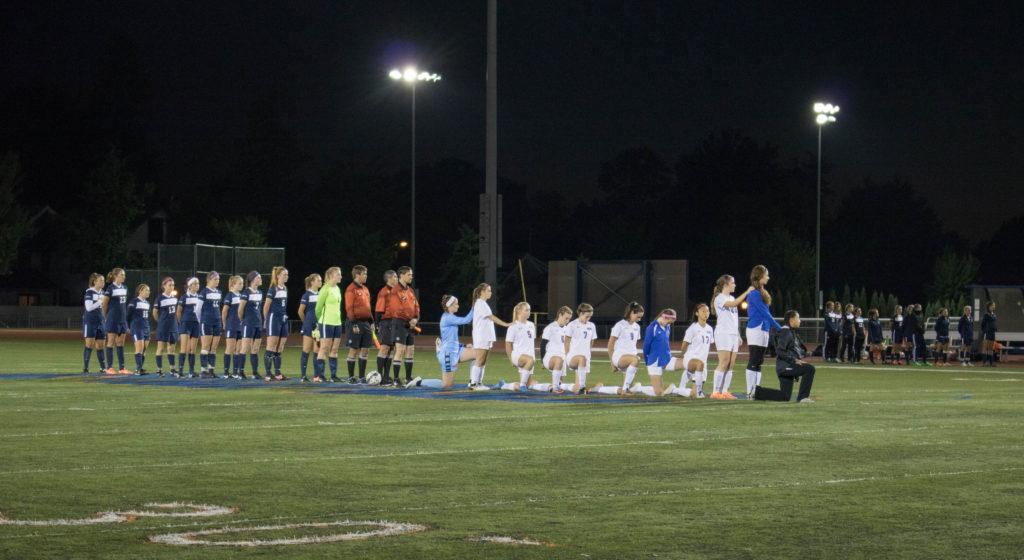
(825,113)
(411,76)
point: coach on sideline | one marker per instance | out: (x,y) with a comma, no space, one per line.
(789,365)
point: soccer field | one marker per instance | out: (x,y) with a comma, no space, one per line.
(889,463)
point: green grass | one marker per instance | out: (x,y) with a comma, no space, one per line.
(908,463)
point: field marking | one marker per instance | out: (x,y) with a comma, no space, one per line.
(384,529)
(198,510)
(471,451)
(496,539)
(1011,380)
(940,369)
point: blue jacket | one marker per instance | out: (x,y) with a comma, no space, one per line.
(656,345)
(758,314)
(966,329)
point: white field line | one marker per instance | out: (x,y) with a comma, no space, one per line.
(1011,380)
(453,452)
(508,540)
(530,500)
(384,529)
(931,370)
(162,510)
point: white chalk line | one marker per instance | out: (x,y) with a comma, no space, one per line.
(384,529)
(929,370)
(498,539)
(197,510)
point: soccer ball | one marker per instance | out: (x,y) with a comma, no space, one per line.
(373,378)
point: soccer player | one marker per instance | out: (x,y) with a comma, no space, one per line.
(519,347)
(658,355)
(789,365)
(874,336)
(966,329)
(307,310)
(138,321)
(696,347)
(848,329)
(92,321)
(579,335)
(328,315)
(989,328)
(913,329)
(554,350)
(941,346)
(898,338)
(759,322)
(831,332)
(450,353)
(859,333)
(622,347)
(233,362)
(483,332)
(360,319)
(115,319)
(211,324)
(727,334)
(275,309)
(404,309)
(383,326)
(189,310)
(250,303)
(165,312)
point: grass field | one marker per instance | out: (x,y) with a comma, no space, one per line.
(894,463)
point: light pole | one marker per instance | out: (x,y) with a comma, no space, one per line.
(410,76)
(825,113)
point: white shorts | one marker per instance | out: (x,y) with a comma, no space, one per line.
(670,366)
(727,342)
(702,359)
(757,337)
(618,355)
(575,355)
(547,360)
(515,357)
(482,344)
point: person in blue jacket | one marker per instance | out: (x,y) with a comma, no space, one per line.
(966,329)
(988,334)
(941,347)
(760,323)
(450,352)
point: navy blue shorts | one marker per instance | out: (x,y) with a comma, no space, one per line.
(210,329)
(140,333)
(167,332)
(330,331)
(308,327)
(190,329)
(93,330)
(233,333)
(942,339)
(277,325)
(254,333)
(115,327)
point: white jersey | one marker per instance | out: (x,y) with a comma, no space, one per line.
(483,327)
(626,337)
(581,337)
(728,317)
(553,333)
(699,339)
(522,336)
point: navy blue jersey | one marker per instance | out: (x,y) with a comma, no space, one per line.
(167,306)
(309,300)
(848,323)
(859,324)
(191,306)
(117,307)
(93,301)
(232,300)
(253,302)
(897,326)
(278,302)
(988,326)
(874,331)
(966,328)
(942,327)
(138,313)
(211,305)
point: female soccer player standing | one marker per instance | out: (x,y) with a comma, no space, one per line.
(848,329)
(328,316)
(898,337)
(307,310)
(831,332)
(233,358)
(92,321)
(859,334)
(759,323)
(165,312)
(554,350)
(942,337)
(966,329)
(622,343)
(250,304)
(189,310)
(483,332)
(138,314)
(210,326)
(519,347)
(275,309)
(874,336)
(727,333)
(450,353)
(989,328)
(579,335)
(115,319)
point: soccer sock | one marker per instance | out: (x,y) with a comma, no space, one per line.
(277,362)
(303,363)
(556,378)
(181,361)
(757,378)
(191,363)
(751,380)
(239,363)
(227,364)
(318,367)
(110,355)
(138,360)
(509,387)
(211,361)
(204,359)
(160,361)
(408,369)
(254,361)
(396,369)
(120,356)
(432,383)
(541,387)
(483,369)
(524,376)
(720,376)
(648,390)
(630,376)
(101,355)
(380,365)
(268,361)
(332,362)
(606,390)
(474,374)
(86,354)
(362,368)
(350,363)
(170,359)
(581,373)
(727,380)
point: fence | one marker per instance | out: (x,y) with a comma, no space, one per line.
(182,261)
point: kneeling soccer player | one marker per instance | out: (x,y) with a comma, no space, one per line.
(449,352)
(659,358)
(789,365)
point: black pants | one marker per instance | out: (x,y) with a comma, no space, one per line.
(832,345)
(756,358)
(787,374)
(846,350)
(858,347)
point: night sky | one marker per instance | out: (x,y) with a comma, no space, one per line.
(933,95)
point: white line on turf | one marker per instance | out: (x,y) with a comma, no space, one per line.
(384,529)
(162,510)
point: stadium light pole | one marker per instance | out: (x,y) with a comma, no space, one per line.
(411,76)
(824,114)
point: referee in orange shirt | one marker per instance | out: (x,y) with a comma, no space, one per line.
(357,310)
(384,327)
(404,311)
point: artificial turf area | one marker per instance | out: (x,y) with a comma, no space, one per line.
(889,463)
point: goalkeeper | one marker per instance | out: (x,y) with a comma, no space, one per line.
(328,319)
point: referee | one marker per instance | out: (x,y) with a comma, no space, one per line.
(360,337)
(789,365)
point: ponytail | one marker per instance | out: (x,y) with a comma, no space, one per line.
(719,286)
(274,272)
(759,272)
(479,290)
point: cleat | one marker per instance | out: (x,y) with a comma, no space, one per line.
(351,381)
(85,371)
(279,377)
(304,379)
(334,379)
(318,379)
(267,379)
(361,381)
(175,374)
(110,371)
(124,372)
(719,396)
(480,387)
(636,387)
(728,396)
(671,390)
(808,400)
(415,382)
(523,388)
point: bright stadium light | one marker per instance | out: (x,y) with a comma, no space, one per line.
(395,74)
(824,114)
(403,244)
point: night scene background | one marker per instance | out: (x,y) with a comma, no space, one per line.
(626,130)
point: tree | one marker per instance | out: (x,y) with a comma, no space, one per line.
(462,270)
(951,273)
(248,231)
(1002,256)
(13,218)
(100,237)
